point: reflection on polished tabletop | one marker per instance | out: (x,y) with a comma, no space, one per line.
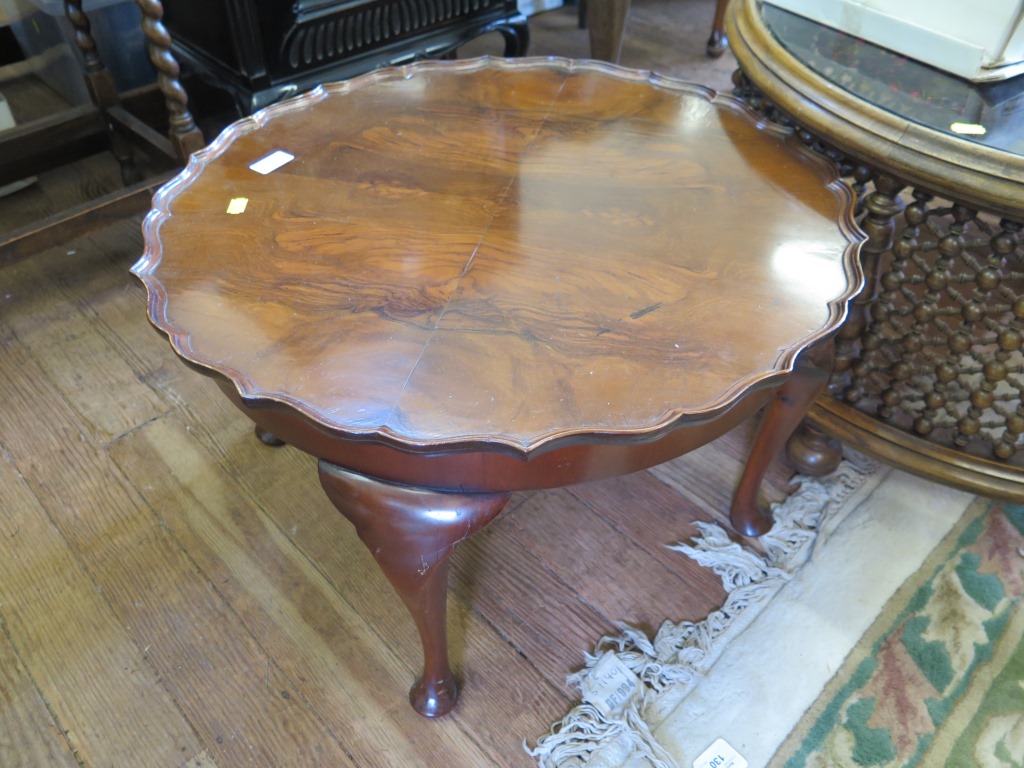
(452,281)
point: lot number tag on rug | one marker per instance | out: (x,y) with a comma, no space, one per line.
(720,755)
(610,685)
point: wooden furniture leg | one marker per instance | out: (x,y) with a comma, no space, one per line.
(606,20)
(718,42)
(784,414)
(52,141)
(411,533)
(101,86)
(517,39)
(268,438)
(811,452)
(184,135)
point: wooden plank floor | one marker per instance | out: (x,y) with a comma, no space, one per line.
(174,593)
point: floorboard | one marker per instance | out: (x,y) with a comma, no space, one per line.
(31,735)
(92,676)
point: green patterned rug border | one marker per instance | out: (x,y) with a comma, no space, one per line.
(842,729)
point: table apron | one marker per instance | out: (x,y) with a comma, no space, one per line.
(492,471)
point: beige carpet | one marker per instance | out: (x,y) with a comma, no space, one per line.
(840,548)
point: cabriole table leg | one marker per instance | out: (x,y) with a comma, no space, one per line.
(785,412)
(411,533)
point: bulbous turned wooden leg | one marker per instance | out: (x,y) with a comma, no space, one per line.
(606,20)
(411,533)
(785,412)
(811,452)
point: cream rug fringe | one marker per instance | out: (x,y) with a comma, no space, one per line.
(671,664)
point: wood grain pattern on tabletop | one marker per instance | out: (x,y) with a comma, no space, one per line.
(477,234)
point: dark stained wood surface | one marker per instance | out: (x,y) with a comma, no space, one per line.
(514,254)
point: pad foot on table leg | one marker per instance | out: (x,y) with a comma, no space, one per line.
(718,42)
(716,45)
(784,414)
(411,533)
(434,698)
(268,438)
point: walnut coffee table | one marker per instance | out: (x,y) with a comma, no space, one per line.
(453,281)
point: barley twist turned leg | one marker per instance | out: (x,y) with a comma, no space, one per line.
(184,134)
(101,86)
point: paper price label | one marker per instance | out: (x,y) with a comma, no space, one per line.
(610,685)
(272,162)
(720,755)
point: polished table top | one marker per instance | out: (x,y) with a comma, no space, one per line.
(501,254)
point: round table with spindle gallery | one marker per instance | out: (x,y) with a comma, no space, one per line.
(929,372)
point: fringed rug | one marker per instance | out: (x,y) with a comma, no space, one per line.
(839,548)
(939,678)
